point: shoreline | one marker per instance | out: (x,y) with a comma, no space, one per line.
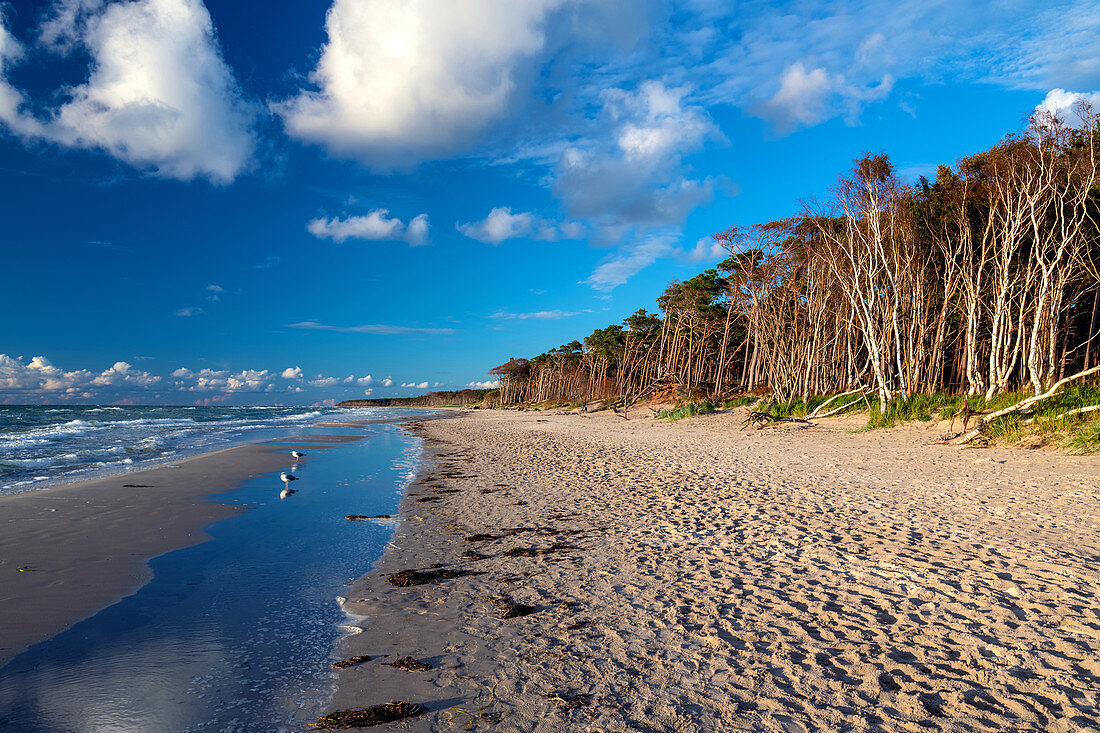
(693,576)
(86,545)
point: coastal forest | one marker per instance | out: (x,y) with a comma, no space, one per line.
(981,282)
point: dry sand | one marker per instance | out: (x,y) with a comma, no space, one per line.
(85,546)
(789,579)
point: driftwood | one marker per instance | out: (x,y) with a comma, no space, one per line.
(1022,405)
(760,419)
(861,390)
(1067,413)
(966,412)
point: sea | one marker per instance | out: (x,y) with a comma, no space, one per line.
(45,445)
(235,634)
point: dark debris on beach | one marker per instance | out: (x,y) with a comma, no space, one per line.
(409,664)
(351,661)
(406,578)
(386,712)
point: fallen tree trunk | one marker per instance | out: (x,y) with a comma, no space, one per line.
(1021,405)
(1067,413)
(826,403)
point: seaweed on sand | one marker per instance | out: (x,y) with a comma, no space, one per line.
(522,552)
(474,555)
(386,712)
(507,608)
(361,517)
(410,665)
(350,662)
(407,578)
(481,537)
(428,499)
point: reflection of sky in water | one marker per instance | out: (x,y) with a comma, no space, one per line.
(234,634)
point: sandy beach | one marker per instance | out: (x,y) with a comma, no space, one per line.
(86,545)
(691,576)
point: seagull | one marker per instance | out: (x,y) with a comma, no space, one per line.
(297,455)
(287,478)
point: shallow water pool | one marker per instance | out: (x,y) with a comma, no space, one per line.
(235,634)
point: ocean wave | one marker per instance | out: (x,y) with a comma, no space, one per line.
(43,461)
(62,443)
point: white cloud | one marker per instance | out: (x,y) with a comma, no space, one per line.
(501,224)
(375,226)
(401,82)
(1063,104)
(629,260)
(159,96)
(124,374)
(250,380)
(636,177)
(706,249)
(538,315)
(11,99)
(40,376)
(416,385)
(387,382)
(484,385)
(623,265)
(189,311)
(808,97)
(416,234)
(215,288)
(377,328)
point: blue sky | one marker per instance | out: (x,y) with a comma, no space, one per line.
(329,198)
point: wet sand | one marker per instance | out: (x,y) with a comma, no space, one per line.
(790,579)
(86,545)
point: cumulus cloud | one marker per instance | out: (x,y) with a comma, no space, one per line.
(484,385)
(400,82)
(121,373)
(376,328)
(39,376)
(707,250)
(374,227)
(501,224)
(807,97)
(387,382)
(159,96)
(636,177)
(416,385)
(1063,104)
(189,311)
